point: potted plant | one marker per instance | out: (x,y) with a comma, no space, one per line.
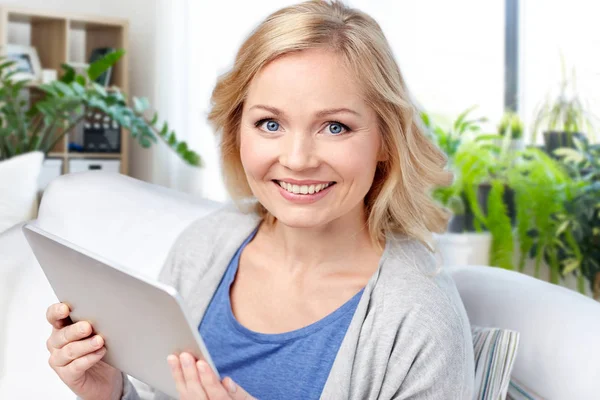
(494,204)
(462,243)
(563,118)
(582,216)
(65,102)
(29,130)
(542,188)
(511,125)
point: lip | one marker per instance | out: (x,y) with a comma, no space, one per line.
(302,198)
(304,182)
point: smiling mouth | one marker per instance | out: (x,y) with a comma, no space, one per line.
(303,189)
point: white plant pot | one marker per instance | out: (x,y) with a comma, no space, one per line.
(514,144)
(471,248)
(18,188)
(517,144)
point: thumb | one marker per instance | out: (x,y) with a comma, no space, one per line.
(236,392)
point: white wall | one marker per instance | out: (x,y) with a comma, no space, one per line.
(550,28)
(142,15)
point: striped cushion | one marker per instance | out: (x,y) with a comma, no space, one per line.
(495,351)
(518,391)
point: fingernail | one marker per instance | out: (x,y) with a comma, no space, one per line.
(231,386)
(201,366)
(82,328)
(63,310)
(96,341)
(171,360)
(185,360)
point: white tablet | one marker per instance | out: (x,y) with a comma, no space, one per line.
(141,321)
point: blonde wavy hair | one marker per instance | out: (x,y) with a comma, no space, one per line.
(399,200)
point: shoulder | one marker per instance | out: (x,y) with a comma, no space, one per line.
(202,238)
(416,290)
(427,323)
(223,222)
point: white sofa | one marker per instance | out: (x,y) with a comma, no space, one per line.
(135,223)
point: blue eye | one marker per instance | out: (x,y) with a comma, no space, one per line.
(272,126)
(336,128)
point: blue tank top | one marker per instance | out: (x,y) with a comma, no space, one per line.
(291,365)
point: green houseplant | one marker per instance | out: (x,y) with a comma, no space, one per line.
(582,216)
(511,125)
(462,130)
(527,195)
(564,117)
(64,103)
(542,187)
(484,170)
(479,197)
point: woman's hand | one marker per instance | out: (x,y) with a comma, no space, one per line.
(195,380)
(76,357)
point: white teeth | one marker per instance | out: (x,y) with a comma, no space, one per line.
(303,189)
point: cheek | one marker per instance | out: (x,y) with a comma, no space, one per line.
(357,161)
(256,155)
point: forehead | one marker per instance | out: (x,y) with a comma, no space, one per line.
(307,76)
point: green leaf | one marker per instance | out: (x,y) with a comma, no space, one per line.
(69,75)
(81,80)
(99,89)
(140,104)
(165,129)
(182,147)
(154,120)
(137,105)
(63,88)
(462,116)
(561,228)
(570,265)
(78,89)
(426,120)
(145,142)
(100,66)
(569,155)
(172,140)
(7,64)
(49,89)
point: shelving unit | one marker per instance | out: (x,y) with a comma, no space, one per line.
(63,38)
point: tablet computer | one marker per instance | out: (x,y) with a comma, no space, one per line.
(142,321)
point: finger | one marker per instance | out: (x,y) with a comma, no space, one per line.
(57,315)
(210,383)
(236,392)
(80,365)
(68,334)
(192,378)
(75,350)
(177,374)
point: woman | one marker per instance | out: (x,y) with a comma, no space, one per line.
(325,287)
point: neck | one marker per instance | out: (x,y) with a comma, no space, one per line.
(333,244)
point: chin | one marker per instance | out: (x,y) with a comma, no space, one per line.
(297,217)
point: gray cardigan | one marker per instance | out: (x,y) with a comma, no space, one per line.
(409,338)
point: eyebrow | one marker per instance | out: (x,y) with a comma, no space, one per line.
(318,114)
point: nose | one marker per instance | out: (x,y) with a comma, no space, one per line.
(298,152)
